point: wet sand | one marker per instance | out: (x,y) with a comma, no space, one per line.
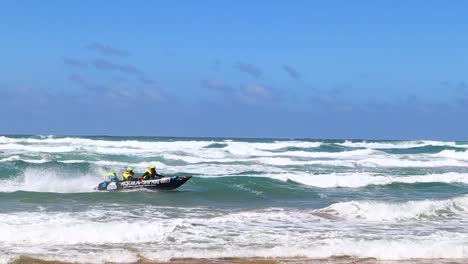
(335,260)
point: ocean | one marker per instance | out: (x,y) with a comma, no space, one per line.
(266,198)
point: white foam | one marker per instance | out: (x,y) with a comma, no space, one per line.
(282,158)
(374,162)
(355,180)
(416,161)
(195,152)
(11,158)
(386,211)
(80,232)
(137,147)
(281,144)
(76,161)
(202,233)
(433,247)
(36,148)
(7,257)
(386,248)
(69,144)
(398,144)
(251,149)
(276,161)
(99,226)
(222,170)
(39,161)
(37,180)
(451,154)
(5,140)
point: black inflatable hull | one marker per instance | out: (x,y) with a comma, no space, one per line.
(164,183)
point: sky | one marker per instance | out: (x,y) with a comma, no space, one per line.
(288,69)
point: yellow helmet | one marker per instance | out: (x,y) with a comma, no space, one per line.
(152,167)
(129,169)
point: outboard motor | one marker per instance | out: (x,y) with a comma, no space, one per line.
(107,186)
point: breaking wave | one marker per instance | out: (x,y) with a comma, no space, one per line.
(410,210)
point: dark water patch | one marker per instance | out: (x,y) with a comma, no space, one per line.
(254,191)
(237,191)
(324,147)
(217,145)
(398,192)
(336,148)
(292,149)
(421,150)
(248,173)
(9,170)
(56,167)
(231,192)
(402,171)
(183,174)
(415,191)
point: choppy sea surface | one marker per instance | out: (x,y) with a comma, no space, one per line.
(390,200)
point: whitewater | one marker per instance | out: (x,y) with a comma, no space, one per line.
(273,198)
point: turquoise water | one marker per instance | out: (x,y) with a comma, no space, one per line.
(247,198)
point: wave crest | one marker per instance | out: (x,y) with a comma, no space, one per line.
(396,211)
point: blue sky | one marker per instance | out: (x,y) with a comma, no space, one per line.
(316,69)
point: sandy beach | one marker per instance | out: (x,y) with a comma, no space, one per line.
(337,260)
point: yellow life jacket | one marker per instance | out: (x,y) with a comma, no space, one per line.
(127,174)
(150,172)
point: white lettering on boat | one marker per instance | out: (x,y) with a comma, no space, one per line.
(146,182)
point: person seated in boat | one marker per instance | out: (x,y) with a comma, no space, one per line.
(150,173)
(112,176)
(128,174)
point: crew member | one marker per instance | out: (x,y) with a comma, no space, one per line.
(112,176)
(151,173)
(128,174)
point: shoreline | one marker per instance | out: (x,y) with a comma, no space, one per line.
(255,260)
